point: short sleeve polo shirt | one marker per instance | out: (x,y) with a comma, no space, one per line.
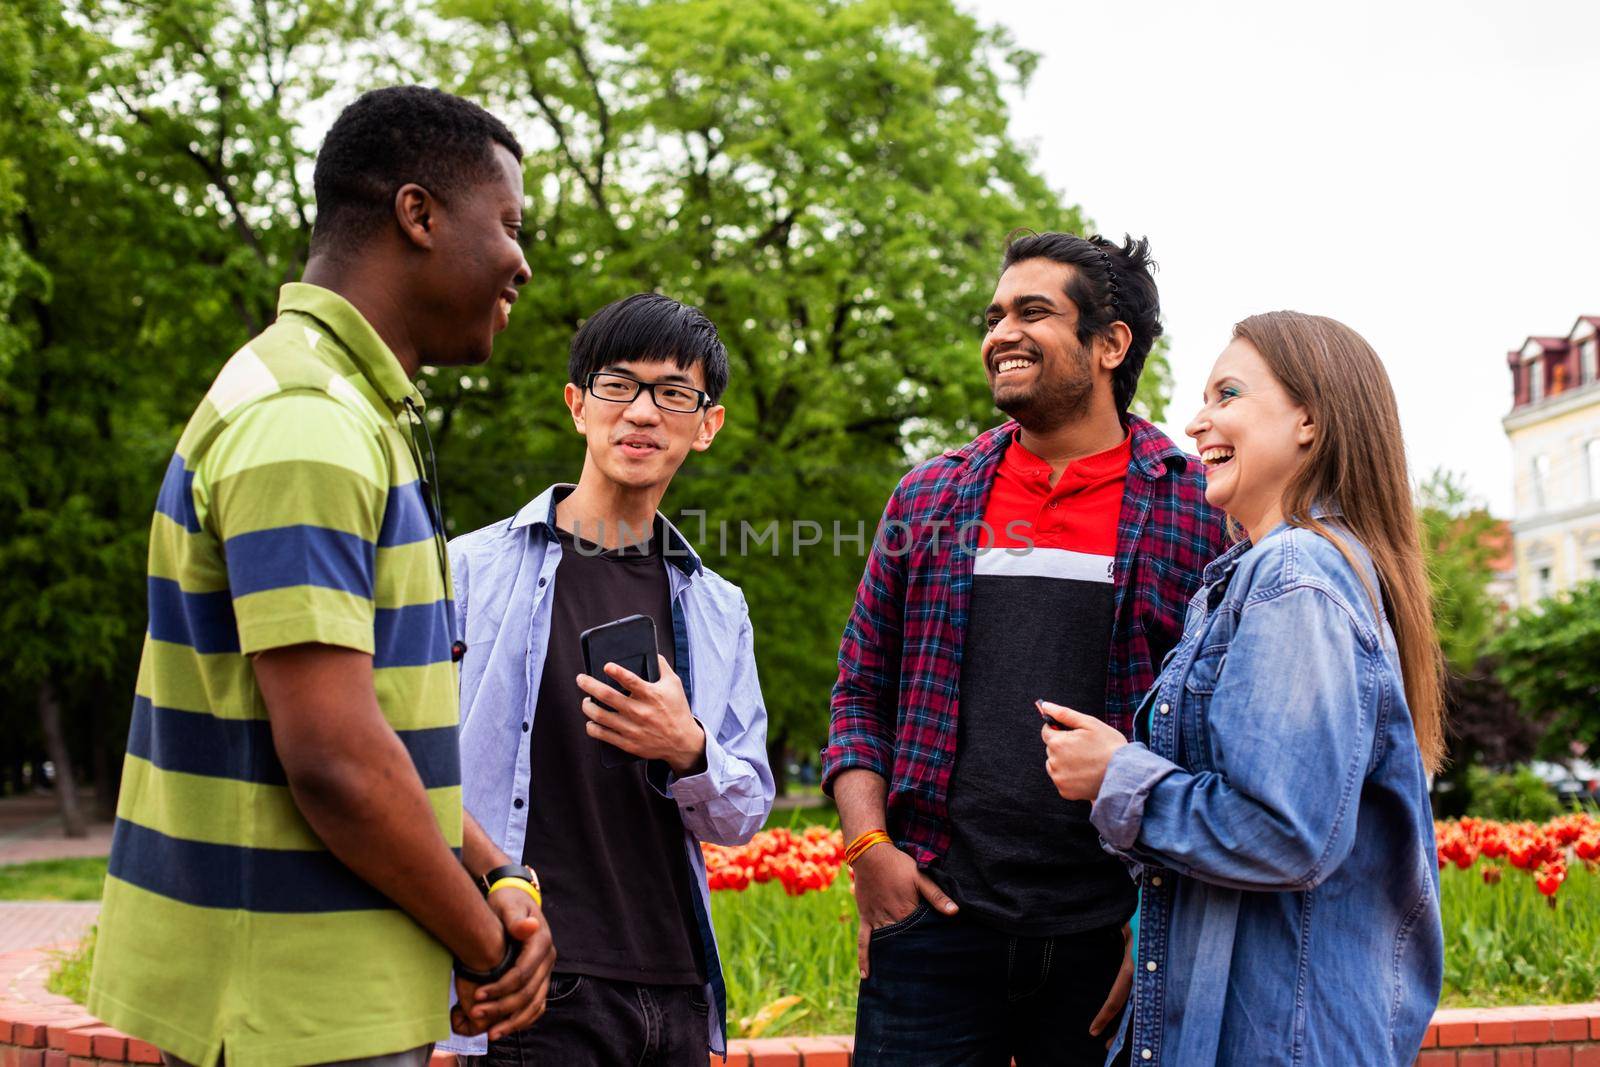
(291,513)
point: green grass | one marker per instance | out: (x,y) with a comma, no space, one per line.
(774,945)
(76,879)
(71,976)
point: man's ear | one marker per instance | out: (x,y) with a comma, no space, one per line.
(574,396)
(710,424)
(1111,350)
(414,210)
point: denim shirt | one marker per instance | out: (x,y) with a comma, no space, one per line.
(504,579)
(1277,802)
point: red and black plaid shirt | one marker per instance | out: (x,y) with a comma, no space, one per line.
(894,705)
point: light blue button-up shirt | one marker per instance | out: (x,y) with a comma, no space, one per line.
(504,577)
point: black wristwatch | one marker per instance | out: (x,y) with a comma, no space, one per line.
(499,970)
(509,870)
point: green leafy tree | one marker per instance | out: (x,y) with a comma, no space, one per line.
(151,204)
(832,183)
(1460,539)
(1550,663)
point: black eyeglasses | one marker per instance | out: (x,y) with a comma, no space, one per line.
(668,396)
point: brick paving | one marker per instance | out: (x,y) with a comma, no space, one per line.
(29,924)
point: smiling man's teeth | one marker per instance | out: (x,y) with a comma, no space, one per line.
(505,307)
(1012,364)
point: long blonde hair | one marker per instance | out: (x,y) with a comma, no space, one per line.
(1357,462)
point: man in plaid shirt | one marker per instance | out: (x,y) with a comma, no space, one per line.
(1052,558)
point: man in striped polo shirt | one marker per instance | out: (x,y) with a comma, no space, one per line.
(284,883)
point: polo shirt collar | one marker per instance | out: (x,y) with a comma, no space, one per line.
(350,328)
(540,512)
(1110,461)
(1152,452)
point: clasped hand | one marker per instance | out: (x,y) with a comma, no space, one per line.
(653,721)
(516,999)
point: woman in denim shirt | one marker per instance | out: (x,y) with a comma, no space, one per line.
(1276,796)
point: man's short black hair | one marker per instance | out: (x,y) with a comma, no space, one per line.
(649,326)
(391,137)
(1109,283)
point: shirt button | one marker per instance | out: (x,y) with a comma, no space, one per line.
(1150,966)
(689,808)
(524,727)
(1155,879)
(517,803)
(1053,504)
(1146,1054)
(542,581)
(1165,708)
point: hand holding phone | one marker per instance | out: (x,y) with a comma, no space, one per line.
(628,642)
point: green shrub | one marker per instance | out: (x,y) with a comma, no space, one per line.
(1519,795)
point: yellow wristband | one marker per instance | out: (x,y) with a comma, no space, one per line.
(523,884)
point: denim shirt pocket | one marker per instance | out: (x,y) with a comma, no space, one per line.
(1199,685)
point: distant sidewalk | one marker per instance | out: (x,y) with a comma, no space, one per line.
(30,829)
(32,924)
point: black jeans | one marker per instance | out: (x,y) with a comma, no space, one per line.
(597,1022)
(948,991)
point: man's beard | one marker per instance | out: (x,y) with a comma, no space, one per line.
(1054,400)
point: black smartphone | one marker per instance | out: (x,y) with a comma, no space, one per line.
(630,643)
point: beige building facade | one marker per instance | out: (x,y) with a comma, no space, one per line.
(1554,429)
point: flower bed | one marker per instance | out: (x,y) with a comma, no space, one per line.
(1520,905)
(1521,910)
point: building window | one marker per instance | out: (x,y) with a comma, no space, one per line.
(1589,360)
(1592,449)
(1542,588)
(1541,481)
(1535,381)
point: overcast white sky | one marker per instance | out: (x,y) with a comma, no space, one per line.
(1424,171)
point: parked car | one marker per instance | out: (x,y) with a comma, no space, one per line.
(1575,782)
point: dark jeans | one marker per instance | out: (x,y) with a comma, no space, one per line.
(950,992)
(597,1022)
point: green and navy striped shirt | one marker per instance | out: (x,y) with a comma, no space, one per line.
(292,513)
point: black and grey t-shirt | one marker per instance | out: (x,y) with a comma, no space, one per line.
(610,850)
(1021,859)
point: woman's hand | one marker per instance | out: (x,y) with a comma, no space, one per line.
(1077,750)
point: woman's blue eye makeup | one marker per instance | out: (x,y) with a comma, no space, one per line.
(1227,392)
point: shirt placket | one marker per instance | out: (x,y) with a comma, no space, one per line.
(1156,884)
(533,666)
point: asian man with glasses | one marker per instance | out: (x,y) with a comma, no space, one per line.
(617,848)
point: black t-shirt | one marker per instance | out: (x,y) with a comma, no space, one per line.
(609,848)
(1021,859)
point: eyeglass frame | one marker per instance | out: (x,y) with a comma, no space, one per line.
(705,397)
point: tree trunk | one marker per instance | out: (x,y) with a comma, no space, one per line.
(56,744)
(106,751)
(778,760)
